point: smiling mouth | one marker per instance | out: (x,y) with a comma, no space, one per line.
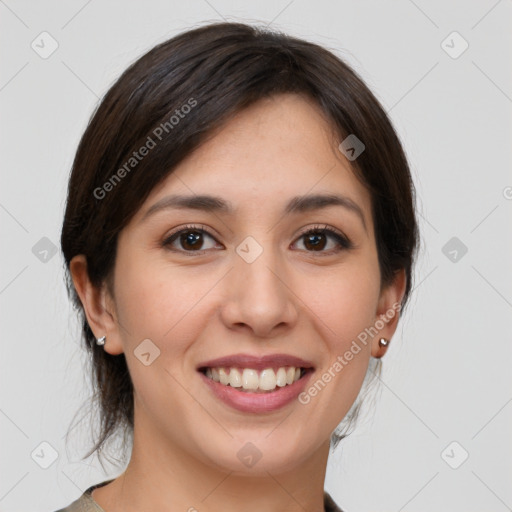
(250,380)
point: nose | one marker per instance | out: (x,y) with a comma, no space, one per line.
(259,297)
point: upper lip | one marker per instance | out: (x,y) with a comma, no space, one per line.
(256,362)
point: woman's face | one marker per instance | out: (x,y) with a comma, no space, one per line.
(252,284)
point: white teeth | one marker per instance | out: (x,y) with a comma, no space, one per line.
(268,379)
(223,376)
(248,379)
(235,379)
(281,377)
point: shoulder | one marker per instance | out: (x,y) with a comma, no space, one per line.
(85,503)
(330,504)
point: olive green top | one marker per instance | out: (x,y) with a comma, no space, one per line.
(86,504)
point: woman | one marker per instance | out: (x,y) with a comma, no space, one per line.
(239,238)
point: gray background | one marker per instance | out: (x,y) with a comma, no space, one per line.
(447,374)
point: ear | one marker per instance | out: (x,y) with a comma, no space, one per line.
(388,312)
(98,305)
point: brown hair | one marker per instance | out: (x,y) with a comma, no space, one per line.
(223,67)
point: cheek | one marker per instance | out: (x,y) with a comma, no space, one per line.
(157,303)
(345,311)
(346,300)
(345,306)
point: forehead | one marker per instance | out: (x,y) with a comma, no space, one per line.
(278,148)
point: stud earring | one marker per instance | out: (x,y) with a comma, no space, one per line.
(101,341)
(383,342)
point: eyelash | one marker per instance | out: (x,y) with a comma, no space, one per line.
(344,242)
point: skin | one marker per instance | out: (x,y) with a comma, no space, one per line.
(292,299)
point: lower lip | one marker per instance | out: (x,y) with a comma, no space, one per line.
(257,402)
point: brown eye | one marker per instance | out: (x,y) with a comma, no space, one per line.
(192,240)
(317,239)
(189,239)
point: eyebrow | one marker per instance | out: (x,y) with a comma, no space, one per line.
(214,204)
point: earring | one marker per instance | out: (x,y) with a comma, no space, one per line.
(383,342)
(101,341)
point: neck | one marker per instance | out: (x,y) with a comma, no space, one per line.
(163,477)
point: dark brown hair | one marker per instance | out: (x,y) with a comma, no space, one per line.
(223,68)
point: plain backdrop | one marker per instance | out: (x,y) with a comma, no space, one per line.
(438,437)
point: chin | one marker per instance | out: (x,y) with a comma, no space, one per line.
(256,453)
